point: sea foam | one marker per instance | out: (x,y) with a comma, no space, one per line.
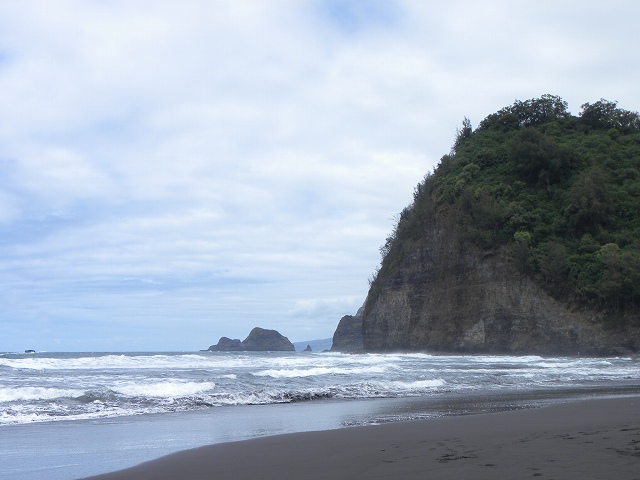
(164,389)
(36,393)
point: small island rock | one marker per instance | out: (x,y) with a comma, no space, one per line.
(226,344)
(262,340)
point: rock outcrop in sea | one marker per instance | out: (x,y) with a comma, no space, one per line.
(226,344)
(261,339)
(258,340)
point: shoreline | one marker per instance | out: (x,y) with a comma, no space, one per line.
(587,438)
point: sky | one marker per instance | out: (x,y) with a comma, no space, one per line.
(174,172)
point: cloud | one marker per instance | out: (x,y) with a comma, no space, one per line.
(173,172)
(354,16)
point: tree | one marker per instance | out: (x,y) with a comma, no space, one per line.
(605,115)
(611,280)
(536,157)
(540,110)
(553,264)
(528,113)
(462,134)
(589,204)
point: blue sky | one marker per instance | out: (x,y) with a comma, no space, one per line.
(172,172)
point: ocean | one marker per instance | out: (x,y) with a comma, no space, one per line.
(69,415)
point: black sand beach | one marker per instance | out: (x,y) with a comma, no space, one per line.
(595,439)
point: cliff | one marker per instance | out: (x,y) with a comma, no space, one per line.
(525,239)
(348,335)
(450,297)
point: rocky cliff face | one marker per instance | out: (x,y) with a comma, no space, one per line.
(348,335)
(446,296)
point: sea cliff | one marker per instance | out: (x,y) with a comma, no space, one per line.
(525,239)
(450,297)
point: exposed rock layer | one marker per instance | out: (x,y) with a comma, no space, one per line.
(446,296)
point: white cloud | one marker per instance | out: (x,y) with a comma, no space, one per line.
(8,208)
(176,170)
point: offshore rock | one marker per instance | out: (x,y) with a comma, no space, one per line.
(226,344)
(447,296)
(348,335)
(261,340)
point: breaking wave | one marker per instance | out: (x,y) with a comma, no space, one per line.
(47,387)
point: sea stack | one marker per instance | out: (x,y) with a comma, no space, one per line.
(258,340)
(261,339)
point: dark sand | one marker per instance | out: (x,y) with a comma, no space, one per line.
(592,439)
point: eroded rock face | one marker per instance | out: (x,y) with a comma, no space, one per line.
(445,296)
(348,335)
(261,340)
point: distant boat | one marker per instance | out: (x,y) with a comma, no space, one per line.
(29,351)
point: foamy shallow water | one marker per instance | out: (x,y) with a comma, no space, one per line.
(47,387)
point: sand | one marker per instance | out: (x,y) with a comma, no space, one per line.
(592,439)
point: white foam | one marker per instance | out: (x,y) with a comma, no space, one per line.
(488,359)
(267,396)
(250,398)
(418,384)
(28,414)
(168,389)
(310,372)
(37,393)
(203,361)
(109,362)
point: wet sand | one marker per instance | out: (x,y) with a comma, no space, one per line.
(595,439)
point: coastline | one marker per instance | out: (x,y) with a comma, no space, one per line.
(586,438)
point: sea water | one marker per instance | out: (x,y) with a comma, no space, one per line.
(66,415)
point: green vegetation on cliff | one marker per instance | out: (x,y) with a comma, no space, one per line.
(560,193)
